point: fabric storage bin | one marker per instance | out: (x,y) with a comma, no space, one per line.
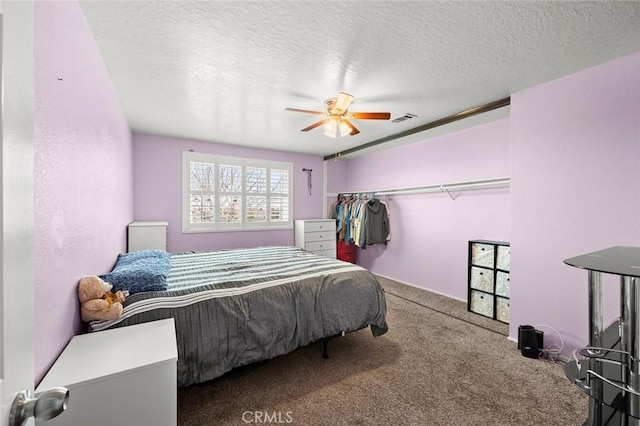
(503,284)
(482,279)
(482,255)
(502,309)
(482,303)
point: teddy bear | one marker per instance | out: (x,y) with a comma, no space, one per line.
(97,300)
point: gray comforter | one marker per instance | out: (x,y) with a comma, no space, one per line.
(236,307)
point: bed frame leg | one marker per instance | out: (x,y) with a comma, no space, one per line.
(325,352)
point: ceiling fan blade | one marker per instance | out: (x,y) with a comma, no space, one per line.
(343,101)
(370,115)
(306,111)
(353,131)
(314,125)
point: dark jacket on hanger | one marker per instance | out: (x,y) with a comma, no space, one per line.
(377,223)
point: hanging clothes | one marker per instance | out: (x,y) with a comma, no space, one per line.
(356,222)
(388,221)
(377,223)
(336,212)
(360,221)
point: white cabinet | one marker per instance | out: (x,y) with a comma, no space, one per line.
(317,236)
(147,235)
(123,376)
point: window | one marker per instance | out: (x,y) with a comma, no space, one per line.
(234,194)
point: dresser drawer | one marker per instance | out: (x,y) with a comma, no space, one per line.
(326,253)
(320,245)
(319,225)
(319,236)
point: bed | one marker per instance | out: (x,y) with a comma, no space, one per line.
(237,307)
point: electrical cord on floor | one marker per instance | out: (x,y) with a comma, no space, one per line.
(551,353)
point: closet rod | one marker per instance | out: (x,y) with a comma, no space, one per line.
(445,187)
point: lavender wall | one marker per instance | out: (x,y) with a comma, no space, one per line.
(337,175)
(83,176)
(575,175)
(430,232)
(158,191)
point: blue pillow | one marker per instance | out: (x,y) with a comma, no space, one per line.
(128,258)
(137,272)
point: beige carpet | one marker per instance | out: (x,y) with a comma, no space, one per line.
(429,369)
(443,304)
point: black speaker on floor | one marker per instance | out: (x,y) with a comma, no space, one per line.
(530,341)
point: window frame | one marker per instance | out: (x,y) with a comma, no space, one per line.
(189,157)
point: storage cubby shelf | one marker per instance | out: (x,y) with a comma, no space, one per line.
(489,279)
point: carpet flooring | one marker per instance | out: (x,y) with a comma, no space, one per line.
(437,365)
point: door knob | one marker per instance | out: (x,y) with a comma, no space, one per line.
(43,406)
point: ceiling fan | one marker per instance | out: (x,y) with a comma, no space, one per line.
(337,116)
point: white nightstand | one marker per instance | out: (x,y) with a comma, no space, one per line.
(123,376)
(147,236)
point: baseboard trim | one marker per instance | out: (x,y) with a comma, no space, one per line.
(421,288)
(562,358)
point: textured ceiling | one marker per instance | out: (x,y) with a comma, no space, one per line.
(224,71)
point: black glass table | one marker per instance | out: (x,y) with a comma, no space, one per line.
(608,370)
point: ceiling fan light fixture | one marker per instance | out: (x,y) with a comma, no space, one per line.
(336,126)
(331,128)
(337,117)
(345,130)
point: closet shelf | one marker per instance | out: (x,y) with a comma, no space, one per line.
(443,187)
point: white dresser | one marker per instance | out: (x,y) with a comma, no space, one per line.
(123,376)
(147,235)
(317,236)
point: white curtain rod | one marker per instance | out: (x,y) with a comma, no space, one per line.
(444,187)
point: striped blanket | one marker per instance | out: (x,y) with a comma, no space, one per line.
(235,307)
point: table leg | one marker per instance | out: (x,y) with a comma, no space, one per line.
(633,346)
(595,340)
